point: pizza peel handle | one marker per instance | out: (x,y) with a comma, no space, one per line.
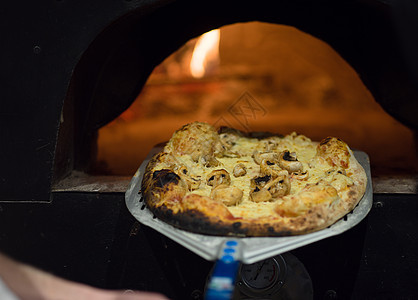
(222,282)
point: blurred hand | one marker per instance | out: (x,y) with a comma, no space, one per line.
(119,295)
(29,283)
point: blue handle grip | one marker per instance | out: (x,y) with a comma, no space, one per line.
(222,282)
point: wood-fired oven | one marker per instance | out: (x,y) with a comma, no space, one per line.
(69,68)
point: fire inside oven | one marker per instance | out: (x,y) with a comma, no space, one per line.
(256,77)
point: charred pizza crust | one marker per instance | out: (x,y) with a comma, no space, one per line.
(237,184)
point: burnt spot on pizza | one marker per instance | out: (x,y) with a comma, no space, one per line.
(270,230)
(164,177)
(239,170)
(196,221)
(325,141)
(236,225)
(269,163)
(169,212)
(352,193)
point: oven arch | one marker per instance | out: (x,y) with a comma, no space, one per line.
(116,65)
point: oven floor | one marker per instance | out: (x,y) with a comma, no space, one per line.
(92,238)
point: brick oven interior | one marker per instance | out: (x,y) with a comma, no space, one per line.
(292,81)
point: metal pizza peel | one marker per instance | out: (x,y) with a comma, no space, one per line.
(229,251)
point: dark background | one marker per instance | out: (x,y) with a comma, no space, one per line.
(69,67)
(92,238)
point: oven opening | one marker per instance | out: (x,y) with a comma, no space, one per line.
(252,76)
(256,76)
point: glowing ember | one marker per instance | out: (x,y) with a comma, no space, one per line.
(205,53)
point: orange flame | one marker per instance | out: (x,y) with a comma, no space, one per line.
(205,53)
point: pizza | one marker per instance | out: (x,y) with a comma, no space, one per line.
(231,183)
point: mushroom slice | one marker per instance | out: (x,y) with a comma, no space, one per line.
(289,162)
(209,161)
(258,192)
(228,195)
(228,139)
(225,142)
(270,143)
(260,195)
(217,177)
(269,156)
(192,183)
(269,168)
(259,182)
(239,170)
(279,186)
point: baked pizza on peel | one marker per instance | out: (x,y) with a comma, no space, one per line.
(232,183)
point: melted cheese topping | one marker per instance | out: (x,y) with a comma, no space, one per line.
(317,167)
